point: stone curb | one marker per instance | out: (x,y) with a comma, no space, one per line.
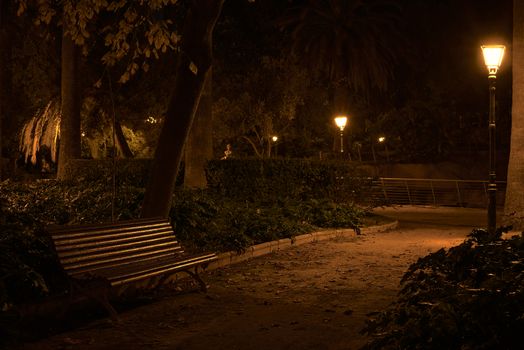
(233,257)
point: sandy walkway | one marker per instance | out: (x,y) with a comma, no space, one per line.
(314,296)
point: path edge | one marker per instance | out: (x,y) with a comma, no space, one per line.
(233,257)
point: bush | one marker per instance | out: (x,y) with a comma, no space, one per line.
(270,180)
(469,297)
(204,221)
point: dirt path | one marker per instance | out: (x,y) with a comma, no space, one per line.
(314,296)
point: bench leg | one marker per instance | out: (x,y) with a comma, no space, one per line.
(103,299)
(194,275)
(98,291)
(203,285)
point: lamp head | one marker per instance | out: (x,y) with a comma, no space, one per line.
(341,121)
(493,55)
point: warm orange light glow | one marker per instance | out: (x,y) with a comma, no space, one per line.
(381,139)
(493,55)
(341,121)
(275,138)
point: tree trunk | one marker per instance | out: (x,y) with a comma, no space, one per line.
(121,141)
(194,62)
(70,141)
(514,204)
(199,145)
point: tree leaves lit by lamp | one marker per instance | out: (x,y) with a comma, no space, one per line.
(341,122)
(493,55)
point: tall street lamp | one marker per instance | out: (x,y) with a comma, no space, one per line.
(341,122)
(274,138)
(493,58)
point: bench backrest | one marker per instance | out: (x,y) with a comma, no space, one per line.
(86,248)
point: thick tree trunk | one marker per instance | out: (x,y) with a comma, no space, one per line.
(70,141)
(199,145)
(514,204)
(194,62)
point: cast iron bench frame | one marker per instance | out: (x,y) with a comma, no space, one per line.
(101,256)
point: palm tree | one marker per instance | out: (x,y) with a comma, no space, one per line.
(349,41)
(514,205)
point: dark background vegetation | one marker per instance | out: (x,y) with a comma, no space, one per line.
(434,107)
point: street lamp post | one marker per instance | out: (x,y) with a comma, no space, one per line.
(382,139)
(493,58)
(341,122)
(275,139)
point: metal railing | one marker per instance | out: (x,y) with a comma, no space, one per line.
(446,192)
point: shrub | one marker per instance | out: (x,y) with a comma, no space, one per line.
(269,180)
(469,297)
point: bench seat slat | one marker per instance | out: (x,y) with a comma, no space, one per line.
(135,271)
(117,263)
(91,234)
(108,246)
(136,223)
(115,256)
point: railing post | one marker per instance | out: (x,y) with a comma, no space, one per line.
(433,192)
(458,194)
(409,194)
(485,192)
(384,189)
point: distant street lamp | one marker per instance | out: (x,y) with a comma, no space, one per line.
(275,139)
(493,55)
(382,139)
(341,122)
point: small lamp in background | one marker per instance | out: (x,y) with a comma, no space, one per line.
(382,139)
(341,122)
(274,138)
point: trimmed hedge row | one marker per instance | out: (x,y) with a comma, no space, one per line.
(253,180)
(300,179)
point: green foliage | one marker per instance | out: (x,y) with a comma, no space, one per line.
(205,221)
(361,31)
(132,31)
(260,104)
(269,180)
(469,297)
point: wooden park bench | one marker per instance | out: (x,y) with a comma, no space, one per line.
(99,257)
